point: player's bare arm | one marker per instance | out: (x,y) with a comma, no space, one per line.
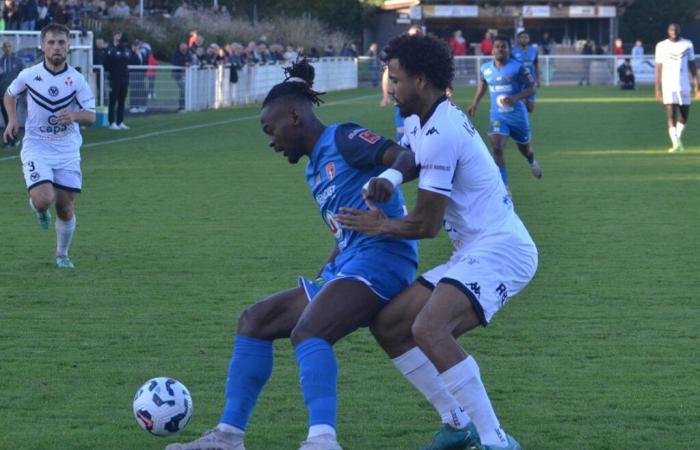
(657,90)
(423,222)
(398,159)
(694,78)
(86,118)
(385,88)
(480,91)
(512,99)
(10,103)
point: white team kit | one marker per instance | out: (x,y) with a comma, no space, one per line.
(51,151)
(494,256)
(675,75)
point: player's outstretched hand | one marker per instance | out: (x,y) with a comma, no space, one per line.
(378,189)
(471,111)
(366,222)
(10,131)
(65,117)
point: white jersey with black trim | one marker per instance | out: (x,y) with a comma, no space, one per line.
(454,161)
(674,57)
(47,94)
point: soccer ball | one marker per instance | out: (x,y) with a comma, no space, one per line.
(163,406)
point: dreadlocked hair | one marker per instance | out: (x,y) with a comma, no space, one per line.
(299,78)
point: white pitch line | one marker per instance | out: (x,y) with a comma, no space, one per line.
(188,128)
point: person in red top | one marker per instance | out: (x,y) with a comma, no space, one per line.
(486,44)
(458,44)
(151,75)
(618,50)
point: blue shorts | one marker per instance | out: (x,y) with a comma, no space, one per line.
(385,273)
(399,123)
(513,125)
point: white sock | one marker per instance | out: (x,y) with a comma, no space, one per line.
(226,428)
(417,368)
(464,381)
(318,430)
(64,235)
(673,135)
(679,129)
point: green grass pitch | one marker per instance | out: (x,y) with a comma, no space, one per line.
(189,218)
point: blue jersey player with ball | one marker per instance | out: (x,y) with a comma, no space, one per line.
(362,274)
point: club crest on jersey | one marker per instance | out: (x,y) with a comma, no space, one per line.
(370,137)
(330,170)
(69,81)
(53,91)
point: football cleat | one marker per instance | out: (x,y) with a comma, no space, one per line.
(64,262)
(212,440)
(512,445)
(450,438)
(322,442)
(43,219)
(536,169)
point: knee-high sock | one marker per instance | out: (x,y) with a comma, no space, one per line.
(64,235)
(679,129)
(673,134)
(318,372)
(250,368)
(464,381)
(417,368)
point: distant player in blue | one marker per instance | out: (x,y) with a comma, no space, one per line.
(526,55)
(509,83)
(362,274)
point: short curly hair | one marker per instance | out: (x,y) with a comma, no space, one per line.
(423,54)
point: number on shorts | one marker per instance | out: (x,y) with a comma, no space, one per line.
(30,164)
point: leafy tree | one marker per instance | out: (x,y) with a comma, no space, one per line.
(648,19)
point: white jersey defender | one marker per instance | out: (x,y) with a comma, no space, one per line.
(675,75)
(51,151)
(494,257)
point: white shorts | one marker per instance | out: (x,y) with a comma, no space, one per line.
(62,173)
(676,97)
(489,273)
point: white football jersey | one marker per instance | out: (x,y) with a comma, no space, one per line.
(455,162)
(47,94)
(674,57)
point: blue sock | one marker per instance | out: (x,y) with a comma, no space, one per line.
(531,159)
(318,376)
(250,368)
(504,175)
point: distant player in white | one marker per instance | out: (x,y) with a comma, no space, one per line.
(494,258)
(59,100)
(675,68)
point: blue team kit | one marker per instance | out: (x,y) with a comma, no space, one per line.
(344,158)
(527,58)
(508,120)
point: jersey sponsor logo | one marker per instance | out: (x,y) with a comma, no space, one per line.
(53,127)
(370,137)
(502,293)
(475,288)
(436,167)
(53,91)
(69,81)
(432,130)
(330,170)
(324,195)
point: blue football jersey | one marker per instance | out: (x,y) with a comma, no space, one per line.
(344,158)
(508,80)
(527,57)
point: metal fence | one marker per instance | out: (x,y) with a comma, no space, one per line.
(164,88)
(554,69)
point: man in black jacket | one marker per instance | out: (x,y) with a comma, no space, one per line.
(117,65)
(10,67)
(181,58)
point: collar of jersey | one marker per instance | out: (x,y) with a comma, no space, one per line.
(432,109)
(65,69)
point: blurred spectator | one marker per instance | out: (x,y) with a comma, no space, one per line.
(638,51)
(587,51)
(276,53)
(42,15)
(10,15)
(10,67)
(181,58)
(119,10)
(99,52)
(372,54)
(151,75)
(290,54)
(313,53)
(618,50)
(486,44)
(626,75)
(329,51)
(458,44)
(117,65)
(137,79)
(192,39)
(29,15)
(546,43)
